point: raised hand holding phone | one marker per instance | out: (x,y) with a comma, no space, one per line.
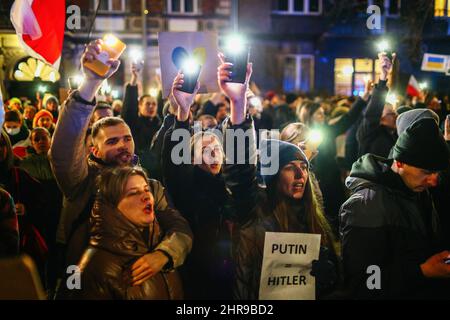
(236,92)
(183,99)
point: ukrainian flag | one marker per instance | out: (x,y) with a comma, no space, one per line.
(435,62)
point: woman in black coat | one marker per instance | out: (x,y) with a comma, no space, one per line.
(325,165)
(197,188)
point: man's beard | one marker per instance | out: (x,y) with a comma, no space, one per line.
(123,159)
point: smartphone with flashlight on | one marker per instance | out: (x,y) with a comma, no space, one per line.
(191,71)
(239,59)
(73,83)
(112,48)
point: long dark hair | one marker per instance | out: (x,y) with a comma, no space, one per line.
(313,210)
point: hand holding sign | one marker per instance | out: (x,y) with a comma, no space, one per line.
(286,267)
(324,271)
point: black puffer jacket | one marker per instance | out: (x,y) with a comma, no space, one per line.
(385,224)
(115,245)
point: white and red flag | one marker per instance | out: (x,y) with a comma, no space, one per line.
(40,26)
(413,88)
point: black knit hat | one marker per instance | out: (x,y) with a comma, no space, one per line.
(422,145)
(275,154)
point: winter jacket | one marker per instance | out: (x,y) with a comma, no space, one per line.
(20,142)
(372,136)
(442,200)
(325,165)
(26,190)
(204,201)
(143,129)
(255,218)
(152,160)
(385,224)
(115,244)
(9,228)
(38,166)
(76,178)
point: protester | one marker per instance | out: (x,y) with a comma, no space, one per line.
(376,133)
(125,238)
(52,105)
(113,147)
(390,221)
(9,227)
(202,199)
(140,114)
(15,104)
(44,119)
(117,107)
(37,165)
(325,165)
(18,133)
(28,116)
(29,205)
(278,208)
(101,110)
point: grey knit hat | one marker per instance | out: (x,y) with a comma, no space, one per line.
(405,119)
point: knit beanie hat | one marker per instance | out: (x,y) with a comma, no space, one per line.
(40,114)
(275,154)
(422,145)
(405,119)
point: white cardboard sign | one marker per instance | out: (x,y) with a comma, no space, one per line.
(286,267)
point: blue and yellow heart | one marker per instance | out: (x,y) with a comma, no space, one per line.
(179,55)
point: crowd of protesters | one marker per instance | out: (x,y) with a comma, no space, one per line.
(95,184)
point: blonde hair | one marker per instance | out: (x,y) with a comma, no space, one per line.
(294,133)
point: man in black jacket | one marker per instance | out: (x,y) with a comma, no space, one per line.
(376,133)
(389,223)
(141,114)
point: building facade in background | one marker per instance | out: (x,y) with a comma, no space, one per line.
(323,46)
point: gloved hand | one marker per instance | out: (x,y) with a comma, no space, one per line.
(324,270)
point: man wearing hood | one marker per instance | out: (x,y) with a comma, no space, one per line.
(113,146)
(390,224)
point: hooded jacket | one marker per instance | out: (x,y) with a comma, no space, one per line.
(115,244)
(385,224)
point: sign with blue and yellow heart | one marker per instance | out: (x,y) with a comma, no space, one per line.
(176,47)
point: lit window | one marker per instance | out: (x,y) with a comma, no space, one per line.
(300,7)
(298,73)
(182,6)
(350,75)
(442,8)
(110,5)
